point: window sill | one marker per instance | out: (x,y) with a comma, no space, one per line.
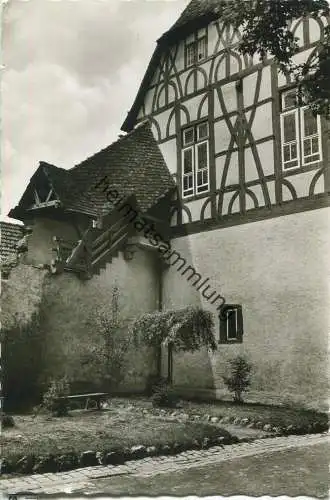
(196,64)
(302,168)
(195,197)
(231,341)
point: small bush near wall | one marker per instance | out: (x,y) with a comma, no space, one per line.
(51,402)
(152,383)
(239,379)
(7,421)
(161,392)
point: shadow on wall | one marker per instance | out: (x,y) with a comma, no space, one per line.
(64,331)
(22,335)
(84,340)
(189,370)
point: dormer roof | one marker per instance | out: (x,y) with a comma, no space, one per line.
(132,165)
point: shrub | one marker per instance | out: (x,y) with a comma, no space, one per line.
(152,383)
(58,388)
(163,395)
(7,421)
(239,379)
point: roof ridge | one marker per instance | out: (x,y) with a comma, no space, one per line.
(43,163)
(132,163)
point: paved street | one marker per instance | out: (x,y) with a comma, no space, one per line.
(294,465)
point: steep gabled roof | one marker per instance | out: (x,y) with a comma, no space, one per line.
(195,10)
(49,176)
(10,236)
(198,13)
(132,165)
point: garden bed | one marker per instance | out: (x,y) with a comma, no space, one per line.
(273,419)
(282,420)
(130,428)
(45,444)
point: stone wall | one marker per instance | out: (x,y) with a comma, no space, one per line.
(73,304)
(21,339)
(68,306)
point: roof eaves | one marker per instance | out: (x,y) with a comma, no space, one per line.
(169,37)
(183,30)
(132,113)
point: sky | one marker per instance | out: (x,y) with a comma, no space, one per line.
(70,72)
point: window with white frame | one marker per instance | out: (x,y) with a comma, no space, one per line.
(300,133)
(195,160)
(196,51)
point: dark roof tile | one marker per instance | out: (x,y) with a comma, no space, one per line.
(132,165)
(10,236)
(196,9)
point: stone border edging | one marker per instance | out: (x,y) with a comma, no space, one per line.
(313,428)
(28,464)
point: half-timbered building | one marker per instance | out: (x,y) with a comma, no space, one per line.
(231,175)
(253,177)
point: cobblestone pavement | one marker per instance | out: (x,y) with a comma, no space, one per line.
(81,479)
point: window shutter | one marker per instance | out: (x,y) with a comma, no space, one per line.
(201,49)
(188,171)
(239,323)
(311,134)
(290,139)
(223,325)
(202,167)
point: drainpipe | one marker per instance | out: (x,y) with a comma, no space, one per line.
(160,308)
(170,346)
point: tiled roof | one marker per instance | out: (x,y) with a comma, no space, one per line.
(132,165)
(10,235)
(197,9)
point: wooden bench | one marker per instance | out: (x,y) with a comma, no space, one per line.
(95,397)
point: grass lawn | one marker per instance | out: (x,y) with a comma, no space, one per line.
(112,429)
(132,421)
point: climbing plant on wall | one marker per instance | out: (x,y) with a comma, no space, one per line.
(186,329)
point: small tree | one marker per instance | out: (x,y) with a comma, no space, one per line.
(239,379)
(107,356)
(266,30)
(186,329)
